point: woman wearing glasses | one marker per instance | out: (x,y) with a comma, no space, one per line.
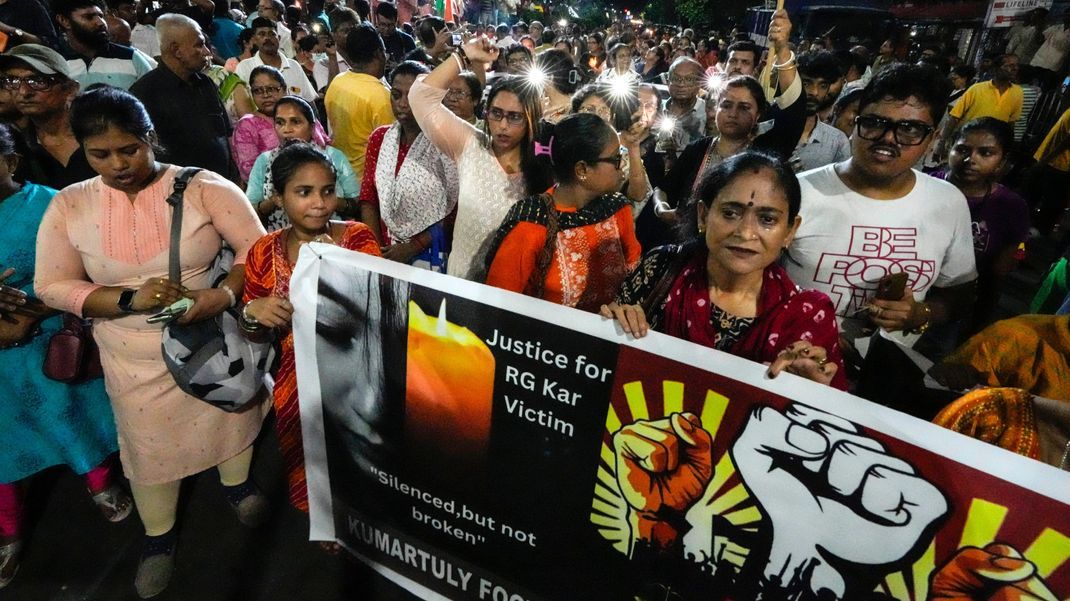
(619,106)
(254,133)
(737,109)
(463,96)
(496,165)
(575,244)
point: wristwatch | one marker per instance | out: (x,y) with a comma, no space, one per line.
(18,33)
(126,300)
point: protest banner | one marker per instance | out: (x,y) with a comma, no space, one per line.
(1004,13)
(473,443)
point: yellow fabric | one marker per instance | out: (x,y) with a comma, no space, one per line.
(1031,352)
(984,100)
(1056,137)
(156,504)
(357,103)
(235,470)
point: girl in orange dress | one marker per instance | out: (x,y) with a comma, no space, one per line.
(304,182)
(575,245)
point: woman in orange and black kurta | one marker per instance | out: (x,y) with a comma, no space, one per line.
(304,183)
(575,244)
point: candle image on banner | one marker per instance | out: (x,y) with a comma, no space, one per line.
(449,387)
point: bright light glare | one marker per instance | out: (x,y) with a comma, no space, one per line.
(620,87)
(536,77)
(562,22)
(667,125)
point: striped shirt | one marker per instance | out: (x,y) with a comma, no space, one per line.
(1030,94)
(114,65)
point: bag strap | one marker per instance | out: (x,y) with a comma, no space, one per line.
(174,264)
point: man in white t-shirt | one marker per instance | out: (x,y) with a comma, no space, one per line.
(267,39)
(873,215)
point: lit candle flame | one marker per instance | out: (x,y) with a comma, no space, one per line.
(440,325)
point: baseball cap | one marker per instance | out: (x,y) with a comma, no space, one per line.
(39,58)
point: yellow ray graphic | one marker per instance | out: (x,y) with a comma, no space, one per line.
(1049,551)
(608,458)
(604,508)
(672,395)
(713,411)
(609,495)
(736,495)
(896,586)
(750,515)
(608,480)
(612,421)
(721,473)
(633,391)
(923,568)
(982,523)
(601,520)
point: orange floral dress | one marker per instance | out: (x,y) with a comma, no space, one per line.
(595,249)
(267,273)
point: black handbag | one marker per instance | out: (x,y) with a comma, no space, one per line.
(211,359)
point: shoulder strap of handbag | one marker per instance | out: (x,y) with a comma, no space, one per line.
(174,264)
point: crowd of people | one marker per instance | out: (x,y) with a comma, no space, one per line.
(796,207)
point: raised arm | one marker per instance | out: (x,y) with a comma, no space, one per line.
(447,131)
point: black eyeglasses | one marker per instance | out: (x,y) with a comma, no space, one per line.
(907,133)
(513,117)
(615,160)
(265,90)
(35,82)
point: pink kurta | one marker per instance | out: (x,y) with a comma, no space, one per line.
(93,236)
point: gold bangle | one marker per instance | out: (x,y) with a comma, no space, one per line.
(924,327)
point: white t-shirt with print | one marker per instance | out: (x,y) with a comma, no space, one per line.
(847,242)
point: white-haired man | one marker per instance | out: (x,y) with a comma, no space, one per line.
(194,132)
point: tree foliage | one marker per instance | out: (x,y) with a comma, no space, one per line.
(696,13)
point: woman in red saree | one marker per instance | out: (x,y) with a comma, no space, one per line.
(304,181)
(723,287)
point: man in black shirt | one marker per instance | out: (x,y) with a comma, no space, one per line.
(398,43)
(183,102)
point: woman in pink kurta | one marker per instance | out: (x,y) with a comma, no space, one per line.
(103,249)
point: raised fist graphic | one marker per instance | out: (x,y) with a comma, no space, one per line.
(835,499)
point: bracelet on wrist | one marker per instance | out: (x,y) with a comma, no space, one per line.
(924,326)
(230,294)
(247,322)
(786,64)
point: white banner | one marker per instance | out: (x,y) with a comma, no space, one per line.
(476,444)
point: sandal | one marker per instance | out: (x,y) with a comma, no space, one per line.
(248,502)
(156,565)
(9,562)
(114,503)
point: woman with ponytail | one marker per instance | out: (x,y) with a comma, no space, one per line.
(574,245)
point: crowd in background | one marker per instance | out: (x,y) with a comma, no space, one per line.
(812,205)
